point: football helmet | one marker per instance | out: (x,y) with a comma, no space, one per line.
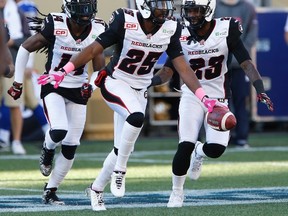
(197,12)
(151,9)
(80,11)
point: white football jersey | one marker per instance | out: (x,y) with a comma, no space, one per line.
(67,45)
(208,58)
(140,51)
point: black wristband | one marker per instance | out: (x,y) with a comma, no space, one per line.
(7,71)
(258,85)
(156,80)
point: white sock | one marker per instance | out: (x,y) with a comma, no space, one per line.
(128,139)
(199,150)
(5,135)
(105,174)
(61,168)
(178,182)
(45,128)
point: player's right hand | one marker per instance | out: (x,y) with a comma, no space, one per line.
(15,90)
(56,76)
(209,103)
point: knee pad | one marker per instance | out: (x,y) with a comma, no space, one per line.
(57,135)
(181,160)
(136,119)
(116,151)
(213,150)
(68,151)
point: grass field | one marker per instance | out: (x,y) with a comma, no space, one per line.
(241,182)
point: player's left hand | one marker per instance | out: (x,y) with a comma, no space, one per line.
(86,90)
(15,90)
(56,76)
(263,98)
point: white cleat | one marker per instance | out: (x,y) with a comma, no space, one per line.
(195,164)
(176,199)
(117,185)
(96,198)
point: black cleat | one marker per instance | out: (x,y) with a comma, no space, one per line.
(46,160)
(50,197)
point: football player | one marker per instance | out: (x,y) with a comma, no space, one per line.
(140,36)
(62,35)
(207,44)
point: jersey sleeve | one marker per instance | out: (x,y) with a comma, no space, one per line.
(174,48)
(48,28)
(115,31)
(235,43)
(235,31)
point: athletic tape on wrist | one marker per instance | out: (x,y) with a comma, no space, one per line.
(69,67)
(200,93)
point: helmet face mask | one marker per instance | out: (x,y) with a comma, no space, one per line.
(157,10)
(80,11)
(197,12)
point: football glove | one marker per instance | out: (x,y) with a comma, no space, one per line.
(209,103)
(15,90)
(86,91)
(263,98)
(56,76)
(99,81)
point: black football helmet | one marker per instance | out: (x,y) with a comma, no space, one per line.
(197,12)
(80,11)
(148,9)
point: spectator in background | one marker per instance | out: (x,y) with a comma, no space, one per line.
(27,9)
(244,12)
(6,67)
(13,21)
(286,31)
(6,61)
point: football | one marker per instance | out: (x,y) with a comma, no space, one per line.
(221,119)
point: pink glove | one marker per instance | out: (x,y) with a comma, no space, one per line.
(56,76)
(209,103)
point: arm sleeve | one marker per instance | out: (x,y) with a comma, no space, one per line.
(235,44)
(20,64)
(174,48)
(115,32)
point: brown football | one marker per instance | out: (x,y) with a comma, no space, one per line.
(221,119)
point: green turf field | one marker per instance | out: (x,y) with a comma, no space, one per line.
(241,182)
